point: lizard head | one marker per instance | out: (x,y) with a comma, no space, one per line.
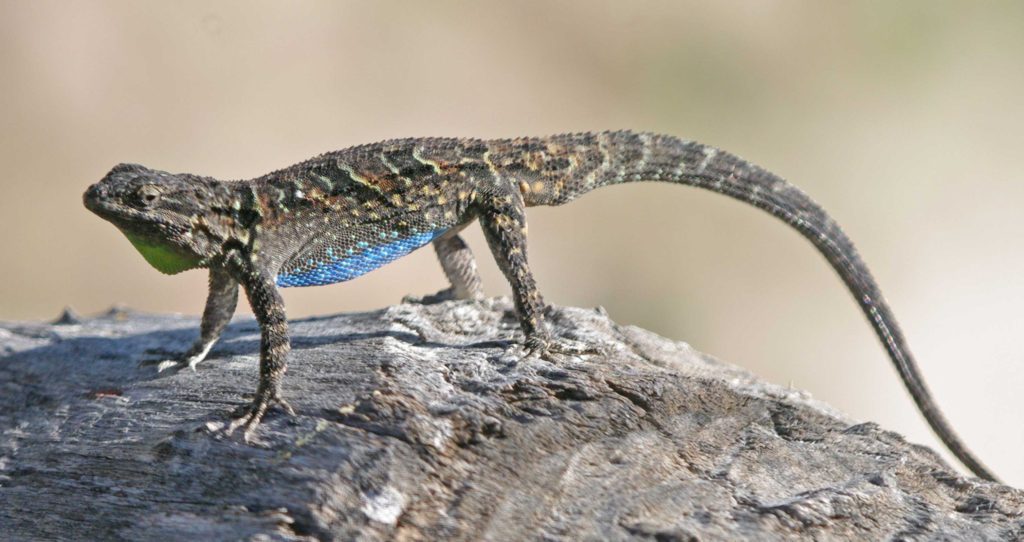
(176,221)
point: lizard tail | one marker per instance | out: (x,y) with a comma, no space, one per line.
(619,157)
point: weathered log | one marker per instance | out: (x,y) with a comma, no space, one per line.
(425,422)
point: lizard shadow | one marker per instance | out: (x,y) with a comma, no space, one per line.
(87,363)
(236,342)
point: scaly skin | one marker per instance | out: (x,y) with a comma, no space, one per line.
(345,213)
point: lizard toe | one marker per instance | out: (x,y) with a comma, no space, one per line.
(250,416)
(546,347)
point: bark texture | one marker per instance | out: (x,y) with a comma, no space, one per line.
(423,422)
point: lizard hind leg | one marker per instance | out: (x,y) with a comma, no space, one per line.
(504,226)
(459,266)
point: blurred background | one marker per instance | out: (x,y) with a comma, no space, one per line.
(903,119)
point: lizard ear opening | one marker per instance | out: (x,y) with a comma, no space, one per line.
(147,195)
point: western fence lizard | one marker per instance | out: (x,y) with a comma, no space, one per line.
(345,213)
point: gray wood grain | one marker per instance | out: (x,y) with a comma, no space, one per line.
(422,422)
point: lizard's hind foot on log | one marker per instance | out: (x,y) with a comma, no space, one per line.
(249,416)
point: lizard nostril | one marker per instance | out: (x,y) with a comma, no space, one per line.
(94,194)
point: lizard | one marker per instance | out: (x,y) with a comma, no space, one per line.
(345,213)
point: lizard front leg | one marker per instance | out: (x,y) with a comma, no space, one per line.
(268,308)
(220,306)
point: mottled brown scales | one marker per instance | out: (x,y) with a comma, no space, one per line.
(344,213)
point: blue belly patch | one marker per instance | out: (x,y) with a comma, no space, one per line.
(354,262)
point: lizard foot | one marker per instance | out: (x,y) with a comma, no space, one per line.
(189,359)
(448,294)
(250,416)
(543,347)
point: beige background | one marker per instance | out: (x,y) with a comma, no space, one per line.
(903,119)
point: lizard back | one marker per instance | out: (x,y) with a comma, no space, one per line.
(346,213)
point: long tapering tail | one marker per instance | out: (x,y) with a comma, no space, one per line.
(581,162)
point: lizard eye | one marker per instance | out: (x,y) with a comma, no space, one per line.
(148,195)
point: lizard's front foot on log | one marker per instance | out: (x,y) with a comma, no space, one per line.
(189,359)
(250,416)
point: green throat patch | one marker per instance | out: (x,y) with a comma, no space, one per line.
(164,259)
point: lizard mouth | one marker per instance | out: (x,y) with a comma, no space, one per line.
(126,217)
(146,231)
(100,202)
(107,208)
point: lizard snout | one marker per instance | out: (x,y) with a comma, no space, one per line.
(93,195)
(96,190)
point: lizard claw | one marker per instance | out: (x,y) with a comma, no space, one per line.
(163,365)
(543,347)
(252,414)
(174,364)
(189,359)
(192,361)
